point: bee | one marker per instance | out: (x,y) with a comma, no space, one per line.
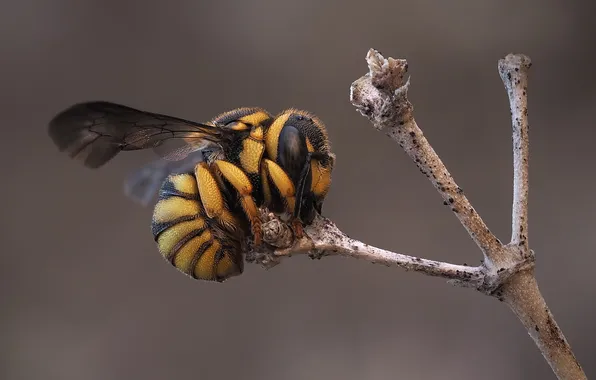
(212,177)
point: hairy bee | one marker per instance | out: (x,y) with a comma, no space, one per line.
(224,169)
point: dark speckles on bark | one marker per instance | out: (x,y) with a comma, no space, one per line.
(554,331)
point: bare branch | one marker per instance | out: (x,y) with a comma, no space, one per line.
(514,73)
(381,96)
(323,238)
(521,293)
(523,297)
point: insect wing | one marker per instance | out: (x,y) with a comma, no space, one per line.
(95,132)
(142,185)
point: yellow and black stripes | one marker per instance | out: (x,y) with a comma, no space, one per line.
(247,149)
(212,197)
(238,162)
(202,218)
(279,186)
(297,141)
(243,187)
(186,237)
(242,119)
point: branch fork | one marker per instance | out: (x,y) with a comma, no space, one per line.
(507,270)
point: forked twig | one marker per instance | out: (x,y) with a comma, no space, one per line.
(507,271)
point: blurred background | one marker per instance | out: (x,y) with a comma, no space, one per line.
(86,295)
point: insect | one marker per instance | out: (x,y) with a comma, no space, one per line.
(212,177)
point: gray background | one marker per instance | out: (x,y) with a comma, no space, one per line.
(85,294)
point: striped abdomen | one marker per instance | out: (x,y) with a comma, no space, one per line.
(188,239)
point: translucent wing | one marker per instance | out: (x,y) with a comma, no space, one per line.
(142,185)
(95,132)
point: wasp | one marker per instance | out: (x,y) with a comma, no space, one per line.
(212,177)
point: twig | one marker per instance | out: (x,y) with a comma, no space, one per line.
(381,96)
(325,239)
(514,73)
(521,293)
(507,271)
(523,296)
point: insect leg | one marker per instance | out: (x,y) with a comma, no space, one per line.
(307,183)
(212,198)
(321,168)
(240,181)
(285,187)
